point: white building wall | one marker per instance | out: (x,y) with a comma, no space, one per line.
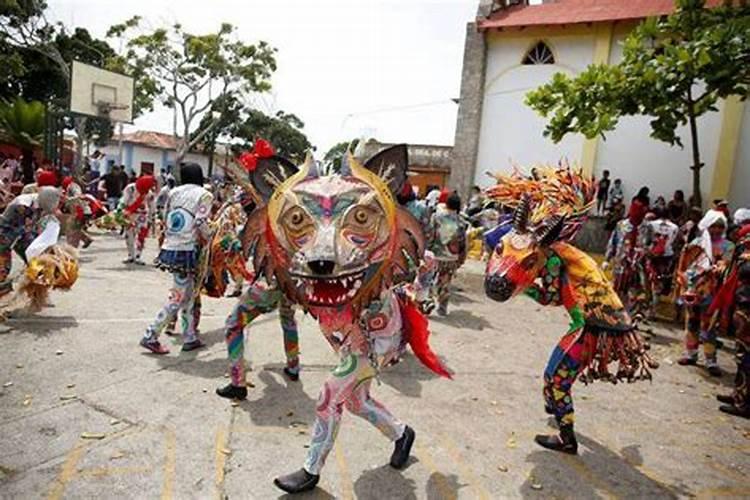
(511,132)
(639,160)
(739,194)
(145,154)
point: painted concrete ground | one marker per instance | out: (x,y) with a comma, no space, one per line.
(85,413)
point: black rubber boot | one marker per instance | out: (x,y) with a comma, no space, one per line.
(291,375)
(549,410)
(725,398)
(297,482)
(565,442)
(232,392)
(402,448)
(191,346)
(733,410)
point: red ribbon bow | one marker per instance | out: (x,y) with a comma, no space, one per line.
(261,149)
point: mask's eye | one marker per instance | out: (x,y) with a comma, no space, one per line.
(296,219)
(361,218)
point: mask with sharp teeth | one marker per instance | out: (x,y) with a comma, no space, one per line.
(334,239)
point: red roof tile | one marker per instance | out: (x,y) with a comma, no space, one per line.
(578,11)
(150,139)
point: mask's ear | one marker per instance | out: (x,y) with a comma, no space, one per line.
(270,173)
(391,165)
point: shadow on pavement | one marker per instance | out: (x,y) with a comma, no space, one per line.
(462,318)
(281,403)
(596,471)
(385,482)
(407,376)
(21,322)
(316,494)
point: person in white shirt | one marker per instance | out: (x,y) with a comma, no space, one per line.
(187,228)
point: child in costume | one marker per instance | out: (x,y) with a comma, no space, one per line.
(702,265)
(660,236)
(337,244)
(79,210)
(21,222)
(447,242)
(535,258)
(136,207)
(187,228)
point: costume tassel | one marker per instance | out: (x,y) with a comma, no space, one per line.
(417,332)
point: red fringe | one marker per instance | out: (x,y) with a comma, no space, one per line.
(417,333)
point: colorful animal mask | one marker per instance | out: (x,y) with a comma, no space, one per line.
(334,239)
(549,207)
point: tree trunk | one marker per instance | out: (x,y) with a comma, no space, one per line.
(697,199)
(27,164)
(80,127)
(211,151)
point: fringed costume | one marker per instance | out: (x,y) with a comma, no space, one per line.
(336,244)
(137,209)
(535,258)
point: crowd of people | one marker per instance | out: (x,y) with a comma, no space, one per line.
(370,259)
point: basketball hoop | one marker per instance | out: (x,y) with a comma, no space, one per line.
(105,108)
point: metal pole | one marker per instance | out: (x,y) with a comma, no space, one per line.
(119,145)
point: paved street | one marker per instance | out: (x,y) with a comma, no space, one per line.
(86,413)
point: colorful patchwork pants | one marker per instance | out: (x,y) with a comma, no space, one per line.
(197,306)
(741,392)
(698,331)
(441,288)
(135,236)
(181,300)
(563,368)
(259,299)
(347,387)
(11,240)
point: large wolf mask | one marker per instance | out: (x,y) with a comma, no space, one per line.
(333,239)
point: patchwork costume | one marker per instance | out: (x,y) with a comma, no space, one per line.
(549,209)
(21,222)
(187,228)
(137,208)
(447,242)
(336,244)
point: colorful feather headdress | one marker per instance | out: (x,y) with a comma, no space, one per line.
(551,192)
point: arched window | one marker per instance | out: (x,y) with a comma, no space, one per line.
(539,54)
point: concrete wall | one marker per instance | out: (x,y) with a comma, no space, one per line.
(511,132)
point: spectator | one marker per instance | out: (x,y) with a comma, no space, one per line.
(113,186)
(615,193)
(602,193)
(643,197)
(677,208)
(474,206)
(660,204)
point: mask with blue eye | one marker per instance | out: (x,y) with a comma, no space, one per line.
(178,220)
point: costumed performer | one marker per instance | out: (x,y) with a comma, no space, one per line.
(136,208)
(535,258)
(337,244)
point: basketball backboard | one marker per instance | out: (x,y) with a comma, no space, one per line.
(101,93)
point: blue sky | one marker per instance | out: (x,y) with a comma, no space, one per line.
(347,68)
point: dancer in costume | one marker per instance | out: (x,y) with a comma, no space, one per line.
(78,209)
(337,244)
(137,207)
(447,242)
(187,210)
(536,259)
(625,254)
(660,235)
(734,298)
(22,221)
(702,265)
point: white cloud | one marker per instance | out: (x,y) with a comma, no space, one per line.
(345,66)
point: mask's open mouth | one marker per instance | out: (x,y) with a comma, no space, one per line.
(329,291)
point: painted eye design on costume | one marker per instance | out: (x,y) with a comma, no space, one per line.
(295,219)
(361,218)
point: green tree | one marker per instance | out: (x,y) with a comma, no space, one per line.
(674,69)
(190,71)
(333,156)
(35,57)
(22,124)
(282,130)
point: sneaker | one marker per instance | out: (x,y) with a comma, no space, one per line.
(725,398)
(733,410)
(714,370)
(129,260)
(565,442)
(139,262)
(687,360)
(402,448)
(232,392)
(88,243)
(297,482)
(235,294)
(154,346)
(191,346)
